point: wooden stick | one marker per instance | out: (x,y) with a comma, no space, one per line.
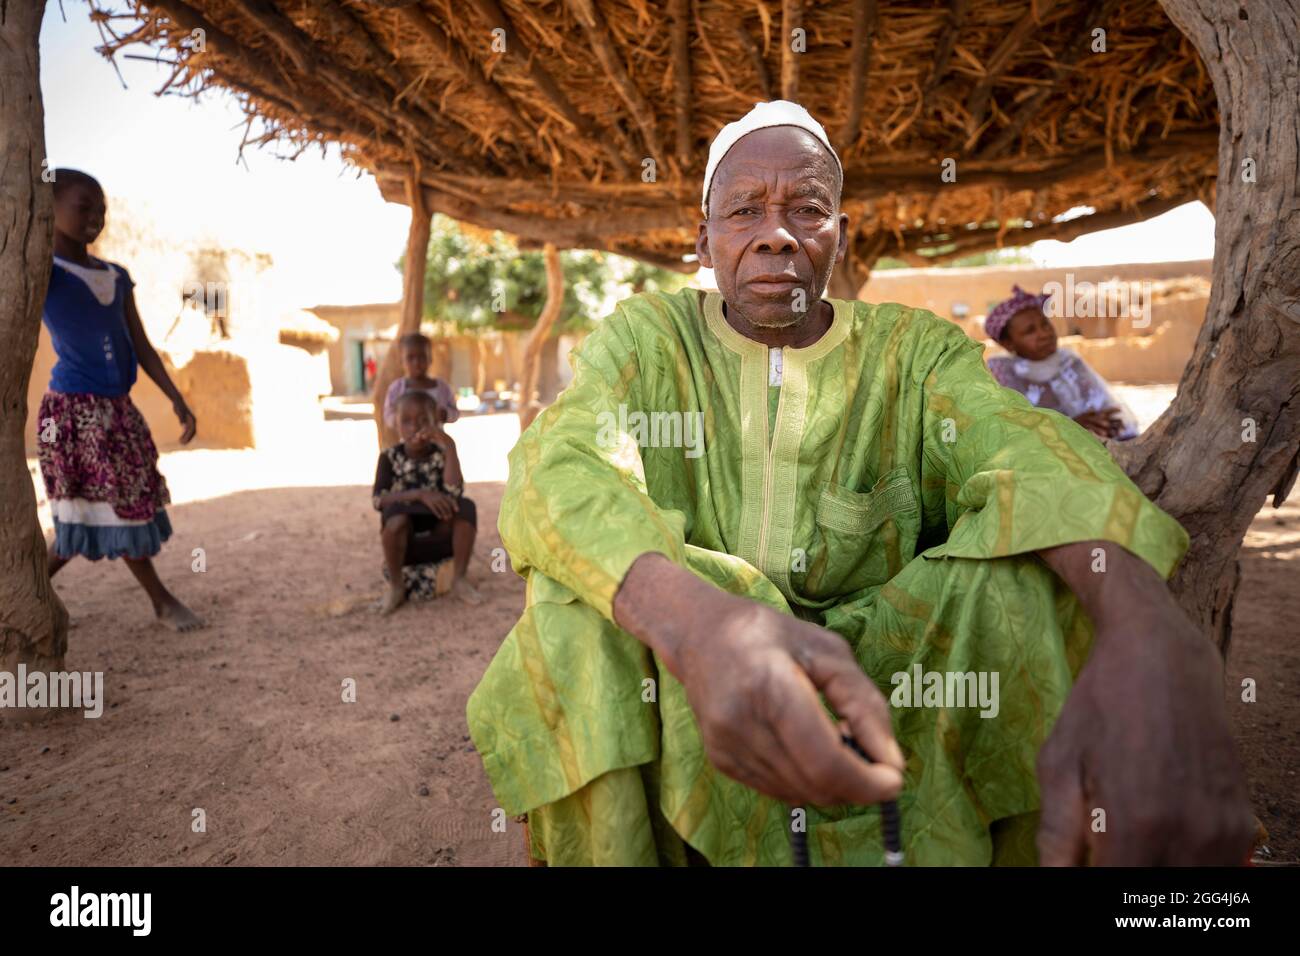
(679,11)
(866,17)
(580,232)
(470,71)
(755,58)
(978,100)
(791,20)
(378,59)
(862,183)
(1062,71)
(593,25)
(282,31)
(968,242)
(947,40)
(546,85)
(875,183)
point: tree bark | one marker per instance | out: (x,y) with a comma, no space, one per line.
(1232,435)
(33,621)
(852,274)
(417,255)
(529,406)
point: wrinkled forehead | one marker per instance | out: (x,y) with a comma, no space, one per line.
(788,153)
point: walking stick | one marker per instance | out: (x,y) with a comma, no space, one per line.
(891,828)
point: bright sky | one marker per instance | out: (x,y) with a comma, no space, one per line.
(332,238)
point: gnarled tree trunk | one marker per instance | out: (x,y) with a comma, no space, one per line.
(417,256)
(529,406)
(1232,435)
(33,622)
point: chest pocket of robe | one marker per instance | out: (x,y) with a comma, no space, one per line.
(868,536)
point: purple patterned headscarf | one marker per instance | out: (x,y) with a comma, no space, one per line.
(996,321)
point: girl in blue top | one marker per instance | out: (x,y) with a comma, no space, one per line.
(97,457)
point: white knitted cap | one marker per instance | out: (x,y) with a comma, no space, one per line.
(774,113)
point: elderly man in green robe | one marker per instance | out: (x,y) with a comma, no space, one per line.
(757,518)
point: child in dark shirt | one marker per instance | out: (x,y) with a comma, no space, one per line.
(425,517)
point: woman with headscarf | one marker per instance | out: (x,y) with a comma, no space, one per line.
(1051,376)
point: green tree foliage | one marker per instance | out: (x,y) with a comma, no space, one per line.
(478,280)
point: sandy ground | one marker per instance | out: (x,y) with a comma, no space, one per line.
(246,722)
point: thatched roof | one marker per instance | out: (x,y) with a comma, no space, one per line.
(303,326)
(539,118)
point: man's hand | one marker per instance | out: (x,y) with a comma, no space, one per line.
(1143,735)
(443,506)
(752,677)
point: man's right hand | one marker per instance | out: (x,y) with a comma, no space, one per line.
(752,676)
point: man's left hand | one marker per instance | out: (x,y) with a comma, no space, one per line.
(1141,768)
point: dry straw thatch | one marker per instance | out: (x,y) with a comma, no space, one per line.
(546,134)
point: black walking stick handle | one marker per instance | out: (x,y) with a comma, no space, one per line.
(891,827)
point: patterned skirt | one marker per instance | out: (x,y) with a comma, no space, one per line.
(100,467)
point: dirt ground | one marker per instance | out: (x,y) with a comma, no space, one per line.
(246,720)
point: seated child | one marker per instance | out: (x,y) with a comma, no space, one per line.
(425,519)
(1051,377)
(417,354)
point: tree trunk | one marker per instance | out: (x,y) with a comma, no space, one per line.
(480,365)
(852,274)
(33,621)
(529,406)
(1231,436)
(417,256)
(847,278)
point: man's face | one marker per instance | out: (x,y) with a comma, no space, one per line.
(79,212)
(774,230)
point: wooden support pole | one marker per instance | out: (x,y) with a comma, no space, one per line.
(413,269)
(529,406)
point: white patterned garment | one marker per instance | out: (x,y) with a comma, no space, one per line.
(101,282)
(1063,382)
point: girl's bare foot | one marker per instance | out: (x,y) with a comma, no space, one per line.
(395,599)
(178,617)
(466,592)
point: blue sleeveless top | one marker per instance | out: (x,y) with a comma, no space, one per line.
(92,341)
